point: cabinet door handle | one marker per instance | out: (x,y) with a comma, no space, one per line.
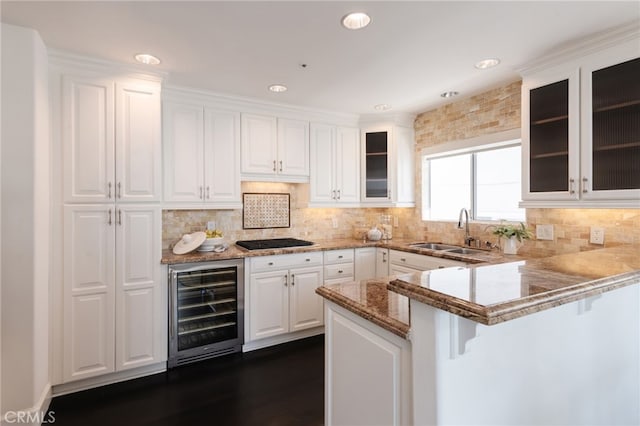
(584,185)
(109,190)
(109,221)
(339,271)
(307,260)
(285,280)
(572,186)
(333,194)
(270,263)
(120,217)
(403,259)
(280,165)
(340,257)
(274,165)
(119,190)
(384,257)
(338,194)
(201,192)
(293,277)
(389,194)
(208,194)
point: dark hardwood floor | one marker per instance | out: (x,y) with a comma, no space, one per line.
(282,385)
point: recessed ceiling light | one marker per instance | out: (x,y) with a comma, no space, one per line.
(278,88)
(147,59)
(356,20)
(487,63)
(382,107)
(449,94)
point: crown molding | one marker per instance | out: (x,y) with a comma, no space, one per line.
(579,48)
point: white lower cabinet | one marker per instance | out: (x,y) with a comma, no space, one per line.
(401,262)
(365,263)
(382,262)
(114,315)
(282,299)
(367,372)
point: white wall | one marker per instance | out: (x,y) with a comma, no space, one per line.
(24,217)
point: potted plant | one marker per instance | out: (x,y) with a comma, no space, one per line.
(511,233)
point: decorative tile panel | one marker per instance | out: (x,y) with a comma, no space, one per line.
(266,211)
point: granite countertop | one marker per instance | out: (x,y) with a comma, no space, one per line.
(234,252)
(494,293)
(371,300)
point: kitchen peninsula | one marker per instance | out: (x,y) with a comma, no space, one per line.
(542,341)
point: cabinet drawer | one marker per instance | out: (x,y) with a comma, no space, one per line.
(338,256)
(419,261)
(344,270)
(285,261)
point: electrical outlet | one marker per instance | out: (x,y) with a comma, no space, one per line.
(211,225)
(544,232)
(334,222)
(597,235)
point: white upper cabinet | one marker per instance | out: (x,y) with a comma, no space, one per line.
(201,156)
(580,133)
(111,139)
(335,171)
(274,149)
(388,166)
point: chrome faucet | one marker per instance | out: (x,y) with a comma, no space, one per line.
(467,238)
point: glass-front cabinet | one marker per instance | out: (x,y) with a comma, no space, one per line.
(611,130)
(388,166)
(581,131)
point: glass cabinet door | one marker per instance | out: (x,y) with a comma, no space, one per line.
(614,148)
(549,138)
(376,165)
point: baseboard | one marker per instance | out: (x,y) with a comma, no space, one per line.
(35,415)
(108,379)
(283,338)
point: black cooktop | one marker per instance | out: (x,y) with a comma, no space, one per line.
(273,243)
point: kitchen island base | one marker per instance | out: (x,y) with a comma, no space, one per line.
(575,364)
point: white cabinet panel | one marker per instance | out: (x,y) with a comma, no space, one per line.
(183,164)
(221,156)
(293,147)
(137,328)
(89,325)
(269,304)
(335,165)
(88,139)
(138,143)
(306,307)
(365,263)
(259,144)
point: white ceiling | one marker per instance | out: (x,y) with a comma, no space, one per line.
(411,52)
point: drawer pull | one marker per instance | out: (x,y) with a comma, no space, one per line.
(307,260)
(293,282)
(285,280)
(403,259)
(339,271)
(340,257)
(270,263)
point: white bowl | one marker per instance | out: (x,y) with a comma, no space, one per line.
(212,242)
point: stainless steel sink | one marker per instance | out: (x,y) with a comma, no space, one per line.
(434,246)
(462,250)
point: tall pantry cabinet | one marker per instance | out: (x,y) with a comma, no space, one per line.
(108,311)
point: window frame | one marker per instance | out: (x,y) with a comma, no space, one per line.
(494,141)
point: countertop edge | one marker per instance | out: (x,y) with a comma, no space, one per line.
(495,314)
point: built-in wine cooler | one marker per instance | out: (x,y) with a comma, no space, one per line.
(206,310)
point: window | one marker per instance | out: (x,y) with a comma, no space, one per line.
(483,179)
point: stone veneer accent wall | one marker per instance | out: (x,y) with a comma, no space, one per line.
(494,111)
